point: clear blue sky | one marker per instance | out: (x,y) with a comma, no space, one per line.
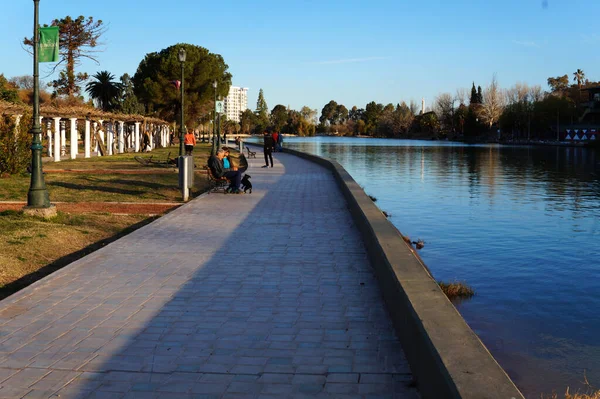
(309,52)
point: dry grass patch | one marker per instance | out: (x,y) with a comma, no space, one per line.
(31,247)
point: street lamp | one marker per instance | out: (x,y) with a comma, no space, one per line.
(181,57)
(213,150)
(38,198)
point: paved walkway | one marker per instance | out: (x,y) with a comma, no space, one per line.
(273,299)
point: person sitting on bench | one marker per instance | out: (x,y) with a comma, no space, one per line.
(215,163)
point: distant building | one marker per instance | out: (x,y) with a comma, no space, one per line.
(236,102)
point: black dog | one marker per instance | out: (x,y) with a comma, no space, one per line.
(246,185)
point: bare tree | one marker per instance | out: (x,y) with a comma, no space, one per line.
(536,93)
(23,82)
(444,108)
(414,108)
(493,103)
(462,95)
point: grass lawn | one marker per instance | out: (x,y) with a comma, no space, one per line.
(31,248)
(117,178)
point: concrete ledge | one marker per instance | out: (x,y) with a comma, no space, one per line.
(445,355)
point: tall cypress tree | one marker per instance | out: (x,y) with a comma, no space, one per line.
(261,112)
(479,95)
(473,99)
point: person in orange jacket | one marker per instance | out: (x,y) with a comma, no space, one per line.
(189,141)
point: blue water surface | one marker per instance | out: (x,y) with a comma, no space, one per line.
(517,223)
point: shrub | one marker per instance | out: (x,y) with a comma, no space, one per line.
(15,142)
(456,289)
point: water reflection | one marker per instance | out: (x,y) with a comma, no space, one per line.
(520,224)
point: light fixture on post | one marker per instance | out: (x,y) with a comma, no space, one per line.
(181,57)
(38,199)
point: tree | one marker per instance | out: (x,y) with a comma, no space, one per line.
(15,142)
(479,95)
(559,85)
(579,77)
(341,114)
(7,91)
(371,117)
(104,90)
(414,108)
(261,112)
(247,121)
(154,88)
(474,98)
(493,103)
(78,38)
(279,117)
(24,82)
(461,96)
(444,108)
(128,102)
(309,114)
(328,113)
(355,114)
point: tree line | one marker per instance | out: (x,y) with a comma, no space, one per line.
(521,112)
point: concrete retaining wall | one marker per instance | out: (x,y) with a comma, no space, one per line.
(446,357)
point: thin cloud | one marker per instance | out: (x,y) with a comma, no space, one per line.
(350,60)
(526,43)
(590,39)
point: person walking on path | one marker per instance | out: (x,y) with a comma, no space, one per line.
(268,149)
(189,141)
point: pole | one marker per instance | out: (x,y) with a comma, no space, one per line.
(214,127)
(38,196)
(181,122)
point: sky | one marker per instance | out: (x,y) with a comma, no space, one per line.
(353,52)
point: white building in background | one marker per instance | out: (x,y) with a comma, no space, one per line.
(236,102)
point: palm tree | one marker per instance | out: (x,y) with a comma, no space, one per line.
(104,90)
(579,77)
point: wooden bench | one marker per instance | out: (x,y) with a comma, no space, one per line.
(251,154)
(218,184)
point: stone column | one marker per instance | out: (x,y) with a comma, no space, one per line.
(63,138)
(121,142)
(56,151)
(136,137)
(87,139)
(73,140)
(151,136)
(94,127)
(110,135)
(50,141)
(101,134)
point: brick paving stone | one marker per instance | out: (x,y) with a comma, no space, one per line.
(228,296)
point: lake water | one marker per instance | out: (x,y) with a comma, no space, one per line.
(518,224)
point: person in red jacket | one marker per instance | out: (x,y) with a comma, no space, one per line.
(189,141)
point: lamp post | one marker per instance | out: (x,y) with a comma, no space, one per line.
(181,57)
(38,199)
(214,127)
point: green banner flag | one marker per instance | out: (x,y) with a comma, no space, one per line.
(48,49)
